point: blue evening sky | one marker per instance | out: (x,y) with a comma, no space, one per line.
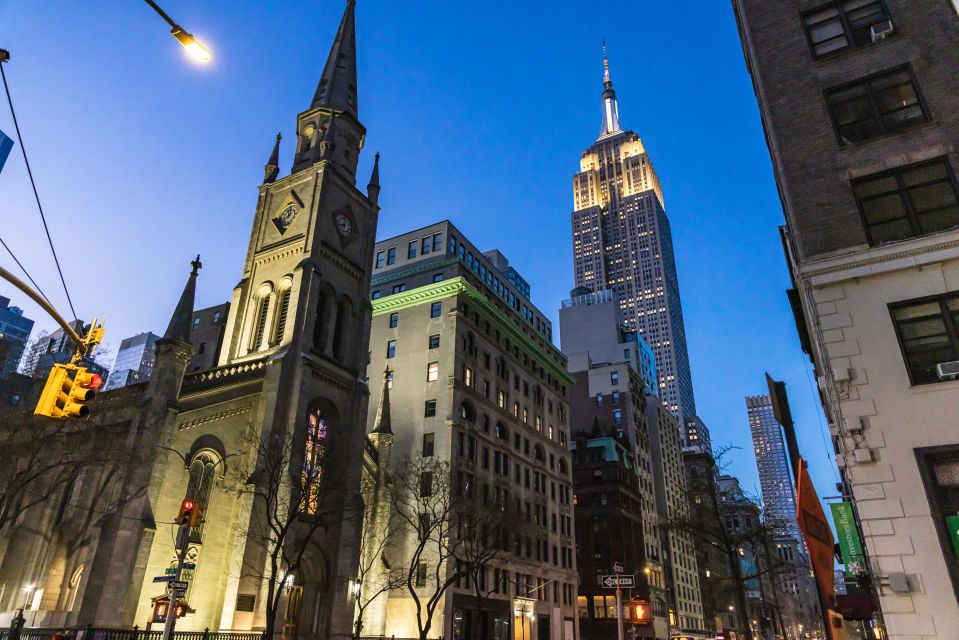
(480,110)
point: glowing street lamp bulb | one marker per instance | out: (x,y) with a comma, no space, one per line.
(196,50)
(28,587)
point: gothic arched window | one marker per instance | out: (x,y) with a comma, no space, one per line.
(314,454)
(202,475)
(321,319)
(261,311)
(282,310)
(344,313)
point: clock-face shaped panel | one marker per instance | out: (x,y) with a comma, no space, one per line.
(286,216)
(344,225)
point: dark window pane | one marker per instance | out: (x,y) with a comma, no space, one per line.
(927,338)
(932,196)
(875,186)
(890,231)
(884,209)
(939,220)
(886,103)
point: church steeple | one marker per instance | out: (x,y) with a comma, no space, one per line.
(182,320)
(272,168)
(337,86)
(383,424)
(373,188)
(330,129)
(610,106)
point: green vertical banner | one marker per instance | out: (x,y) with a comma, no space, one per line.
(952,522)
(849,543)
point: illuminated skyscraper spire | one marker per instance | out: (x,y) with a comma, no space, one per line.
(610,107)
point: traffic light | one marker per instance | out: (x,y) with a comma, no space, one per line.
(186,512)
(196,516)
(66,392)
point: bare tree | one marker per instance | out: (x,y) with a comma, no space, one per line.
(289,492)
(42,461)
(422,499)
(376,575)
(708,526)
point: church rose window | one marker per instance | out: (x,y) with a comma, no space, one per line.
(313,459)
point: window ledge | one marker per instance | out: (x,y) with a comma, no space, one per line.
(930,387)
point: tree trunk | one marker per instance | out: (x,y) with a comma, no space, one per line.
(739,587)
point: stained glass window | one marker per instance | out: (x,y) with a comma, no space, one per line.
(313,459)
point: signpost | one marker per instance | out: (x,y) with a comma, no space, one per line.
(617,581)
(166,578)
(627,581)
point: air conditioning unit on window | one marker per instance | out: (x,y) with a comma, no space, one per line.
(881,30)
(948,370)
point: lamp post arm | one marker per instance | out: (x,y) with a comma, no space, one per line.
(162,13)
(46,306)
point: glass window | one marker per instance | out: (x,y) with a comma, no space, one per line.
(411,250)
(313,459)
(391,348)
(617,416)
(842,25)
(437,277)
(376,295)
(391,255)
(614,377)
(432,371)
(452,244)
(399,288)
(380,259)
(426,484)
(216,317)
(196,322)
(426,245)
(434,341)
(437,242)
(928,335)
(873,106)
(429,412)
(467,376)
(436,309)
(428,444)
(907,202)
(394,320)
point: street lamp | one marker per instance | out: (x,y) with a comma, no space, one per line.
(196,50)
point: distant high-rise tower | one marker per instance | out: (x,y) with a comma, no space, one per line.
(775,479)
(622,241)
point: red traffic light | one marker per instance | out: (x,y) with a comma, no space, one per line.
(93,382)
(187,505)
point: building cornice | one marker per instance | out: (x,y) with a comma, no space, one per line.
(873,261)
(457,286)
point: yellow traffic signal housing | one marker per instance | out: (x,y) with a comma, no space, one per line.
(66,392)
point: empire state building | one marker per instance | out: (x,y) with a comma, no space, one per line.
(622,242)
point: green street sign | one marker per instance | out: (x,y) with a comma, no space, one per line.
(952,522)
(170,571)
(850,546)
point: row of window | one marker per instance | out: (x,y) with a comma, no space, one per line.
(906,202)
(430,243)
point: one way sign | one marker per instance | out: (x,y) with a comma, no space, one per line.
(621,580)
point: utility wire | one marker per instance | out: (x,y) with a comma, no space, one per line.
(36,195)
(24,269)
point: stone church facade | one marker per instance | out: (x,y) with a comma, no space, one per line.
(292,366)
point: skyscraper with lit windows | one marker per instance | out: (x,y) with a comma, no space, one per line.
(622,241)
(775,478)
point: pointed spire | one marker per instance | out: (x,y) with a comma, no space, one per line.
(610,106)
(382,423)
(373,188)
(337,87)
(182,319)
(272,169)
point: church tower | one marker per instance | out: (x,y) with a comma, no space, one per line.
(301,311)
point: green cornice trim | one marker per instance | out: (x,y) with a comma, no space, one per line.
(459,285)
(420,267)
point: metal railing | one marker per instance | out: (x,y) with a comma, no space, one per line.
(135,633)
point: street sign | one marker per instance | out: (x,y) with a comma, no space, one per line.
(164,578)
(180,584)
(170,571)
(621,580)
(189,565)
(618,567)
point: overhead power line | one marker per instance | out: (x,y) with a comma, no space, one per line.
(36,195)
